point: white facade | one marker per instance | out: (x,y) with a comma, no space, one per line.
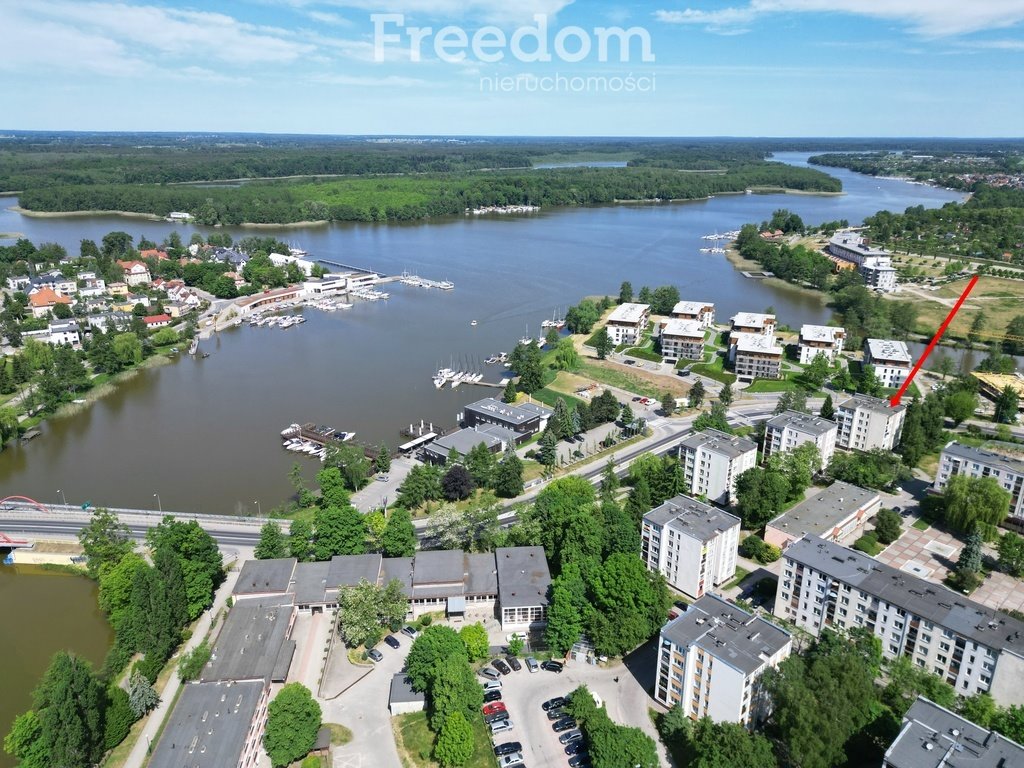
(755,356)
(792,428)
(873,264)
(820,340)
(627,322)
(65,333)
(281,260)
(891,361)
(958,459)
(866,423)
(693,545)
(712,461)
(682,339)
(702,312)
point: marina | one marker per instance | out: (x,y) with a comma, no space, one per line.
(312,439)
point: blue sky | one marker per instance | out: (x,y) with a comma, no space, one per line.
(737,68)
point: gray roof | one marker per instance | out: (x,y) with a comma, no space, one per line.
(806,423)
(719,442)
(727,632)
(260,576)
(402,692)
(507,412)
(889,350)
(463,441)
(869,403)
(932,602)
(988,458)
(442,566)
(824,511)
(252,644)
(934,737)
(311,583)
(523,576)
(398,568)
(349,570)
(481,575)
(208,726)
(692,518)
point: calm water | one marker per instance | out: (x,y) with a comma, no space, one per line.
(43,613)
(204,433)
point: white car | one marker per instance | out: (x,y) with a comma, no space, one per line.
(509,761)
(492,685)
(501,726)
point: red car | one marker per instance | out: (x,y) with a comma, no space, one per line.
(493,707)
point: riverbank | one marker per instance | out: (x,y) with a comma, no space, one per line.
(75,214)
(742,264)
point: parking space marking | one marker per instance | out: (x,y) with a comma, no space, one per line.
(352,760)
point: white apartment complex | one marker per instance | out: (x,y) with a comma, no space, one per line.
(873,264)
(972,647)
(711,659)
(693,545)
(756,357)
(712,461)
(959,459)
(792,428)
(682,339)
(821,340)
(891,361)
(866,423)
(627,322)
(702,312)
(752,322)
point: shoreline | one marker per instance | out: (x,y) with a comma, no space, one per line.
(58,214)
(741,264)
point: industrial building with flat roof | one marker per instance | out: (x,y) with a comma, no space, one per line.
(692,544)
(1008,471)
(837,513)
(711,659)
(521,419)
(972,647)
(791,429)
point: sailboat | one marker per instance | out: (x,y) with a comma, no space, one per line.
(527,339)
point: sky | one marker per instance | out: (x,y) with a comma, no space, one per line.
(516,67)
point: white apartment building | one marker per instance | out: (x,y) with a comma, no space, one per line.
(692,544)
(627,323)
(959,459)
(792,428)
(866,423)
(873,264)
(891,361)
(821,340)
(712,461)
(972,647)
(682,339)
(755,356)
(702,312)
(752,322)
(711,659)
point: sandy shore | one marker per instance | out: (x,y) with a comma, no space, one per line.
(11,235)
(60,214)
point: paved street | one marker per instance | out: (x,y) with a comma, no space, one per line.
(377,492)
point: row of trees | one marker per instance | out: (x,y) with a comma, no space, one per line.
(459,477)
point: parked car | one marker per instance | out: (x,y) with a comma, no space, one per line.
(532,664)
(383,478)
(501,726)
(555,703)
(508,748)
(575,747)
(684,372)
(489,673)
(509,761)
(492,685)
(563,725)
(553,666)
(514,663)
(392,641)
(569,737)
(374,654)
(490,696)
(496,716)
(501,666)
(410,631)
(557,714)
(494,706)
(580,761)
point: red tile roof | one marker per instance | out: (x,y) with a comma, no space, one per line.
(47,297)
(154,319)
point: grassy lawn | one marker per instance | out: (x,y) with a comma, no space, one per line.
(550,396)
(741,574)
(922,525)
(715,370)
(621,379)
(772,385)
(415,742)
(644,353)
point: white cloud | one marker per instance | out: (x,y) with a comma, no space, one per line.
(928,18)
(387,81)
(508,11)
(329,18)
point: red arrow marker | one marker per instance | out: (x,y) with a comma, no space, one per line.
(895,399)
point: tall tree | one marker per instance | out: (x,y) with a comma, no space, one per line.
(696,397)
(200,558)
(603,343)
(508,478)
(481,465)
(69,703)
(457,484)
(399,537)
(293,721)
(625,292)
(454,744)
(511,393)
(1006,406)
(435,643)
(300,540)
(828,410)
(105,540)
(547,453)
(726,395)
(383,461)
(272,543)
(630,604)
(338,531)
(975,501)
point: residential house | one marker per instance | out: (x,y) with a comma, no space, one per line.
(838,513)
(627,323)
(752,322)
(65,332)
(135,273)
(44,300)
(890,359)
(790,429)
(153,253)
(712,461)
(756,356)
(866,423)
(118,289)
(101,322)
(820,340)
(157,321)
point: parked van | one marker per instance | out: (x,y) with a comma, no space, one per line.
(532,664)
(490,674)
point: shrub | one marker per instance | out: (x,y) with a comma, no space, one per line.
(148,666)
(426,621)
(868,543)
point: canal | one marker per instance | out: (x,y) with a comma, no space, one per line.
(43,612)
(203,433)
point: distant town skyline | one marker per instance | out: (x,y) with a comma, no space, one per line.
(668,67)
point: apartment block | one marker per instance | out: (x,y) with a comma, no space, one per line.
(692,544)
(682,339)
(712,461)
(866,423)
(890,359)
(821,340)
(971,646)
(627,323)
(959,459)
(792,428)
(752,322)
(702,312)
(874,264)
(755,356)
(711,659)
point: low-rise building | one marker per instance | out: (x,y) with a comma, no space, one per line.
(522,419)
(157,321)
(682,339)
(867,423)
(934,737)
(118,289)
(135,273)
(524,582)
(254,643)
(65,332)
(890,359)
(106,320)
(462,441)
(712,460)
(693,545)
(44,300)
(824,340)
(403,700)
(790,429)
(755,356)
(1008,471)
(991,385)
(702,312)
(838,513)
(91,286)
(972,647)
(711,659)
(627,322)
(283,260)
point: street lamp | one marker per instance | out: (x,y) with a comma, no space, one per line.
(62,496)
(159,505)
(259,507)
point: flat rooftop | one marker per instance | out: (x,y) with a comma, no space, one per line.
(265,576)
(515,414)
(805,423)
(692,307)
(687,328)
(933,602)
(990,458)
(463,441)
(208,726)
(889,350)
(732,446)
(728,633)
(252,645)
(692,518)
(855,242)
(756,343)
(523,576)
(629,314)
(752,320)
(869,403)
(821,333)
(825,511)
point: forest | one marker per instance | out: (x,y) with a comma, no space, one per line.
(940,166)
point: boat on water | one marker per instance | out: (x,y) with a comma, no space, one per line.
(291,430)
(472,322)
